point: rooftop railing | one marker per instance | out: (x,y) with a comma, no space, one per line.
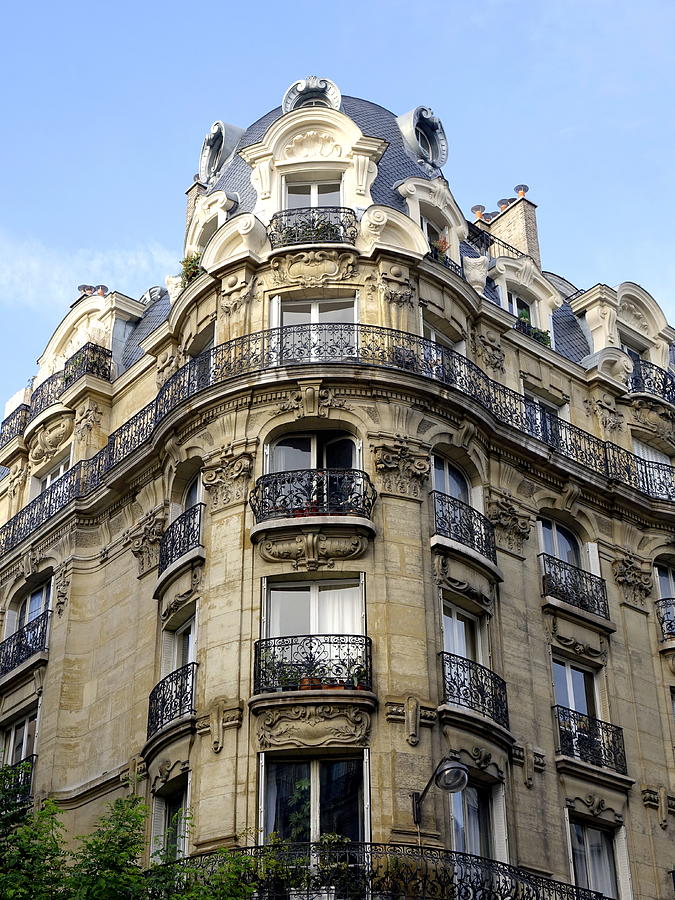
(487,243)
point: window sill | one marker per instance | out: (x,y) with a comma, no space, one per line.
(593,774)
(468,553)
(578,616)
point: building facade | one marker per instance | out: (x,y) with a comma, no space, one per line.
(364,489)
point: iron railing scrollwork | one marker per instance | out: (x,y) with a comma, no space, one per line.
(467,683)
(14,424)
(45,394)
(443,258)
(487,244)
(537,334)
(172,698)
(650,379)
(182,535)
(665,611)
(313,225)
(573,585)
(306,492)
(347,870)
(652,478)
(16,784)
(91,359)
(302,662)
(590,740)
(462,523)
(24,643)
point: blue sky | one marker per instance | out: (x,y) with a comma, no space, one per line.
(105,106)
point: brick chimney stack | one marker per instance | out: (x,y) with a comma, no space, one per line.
(517,225)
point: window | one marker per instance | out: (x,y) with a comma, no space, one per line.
(574,688)
(519,307)
(560,542)
(323,450)
(54,473)
(307,798)
(432,334)
(542,420)
(472,821)
(665,576)
(431,230)
(169,823)
(449,480)
(423,142)
(178,647)
(593,858)
(649,453)
(321,608)
(18,739)
(313,194)
(317,312)
(461,633)
(192,494)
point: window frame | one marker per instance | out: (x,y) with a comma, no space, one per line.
(670,576)
(583,556)
(315,586)
(314,449)
(313,191)
(589,674)
(8,734)
(477,623)
(486,829)
(613,835)
(447,466)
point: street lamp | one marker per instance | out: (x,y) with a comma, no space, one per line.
(449,776)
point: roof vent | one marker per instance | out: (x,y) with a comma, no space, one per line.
(478,211)
(521,189)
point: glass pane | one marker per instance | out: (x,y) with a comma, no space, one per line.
(287,800)
(339,454)
(440,483)
(523,310)
(601,862)
(293,313)
(341,798)
(184,647)
(562,697)
(476,821)
(292,453)
(192,494)
(665,581)
(339,611)
(457,485)
(458,823)
(175,817)
(30,735)
(466,636)
(289,611)
(568,547)
(432,232)
(329,194)
(336,311)
(297,196)
(547,534)
(16,751)
(581,692)
(35,605)
(579,855)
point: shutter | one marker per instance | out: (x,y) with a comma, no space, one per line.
(168,661)
(186,819)
(622,864)
(157,826)
(499,832)
(645,451)
(266,458)
(275,312)
(263,607)
(366,797)
(568,845)
(261,799)
(362,595)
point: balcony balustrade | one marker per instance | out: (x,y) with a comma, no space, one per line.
(16,785)
(467,683)
(337,344)
(312,661)
(443,258)
(14,424)
(312,492)
(355,871)
(172,698)
(460,522)
(665,612)
(91,359)
(487,244)
(573,585)
(313,225)
(650,379)
(45,395)
(182,535)
(24,643)
(590,740)
(537,334)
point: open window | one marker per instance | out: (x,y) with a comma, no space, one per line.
(18,739)
(323,449)
(169,839)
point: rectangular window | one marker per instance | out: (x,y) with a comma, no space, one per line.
(169,824)
(18,740)
(320,193)
(307,798)
(56,472)
(472,821)
(574,688)
(593,858)
(542,420)
(460,633)
(324,607)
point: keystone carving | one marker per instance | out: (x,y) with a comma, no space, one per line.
(87,417)
(234,298)
(595,805)
(511,524)
(655,417)
(314,267)
(413,713)
(223,713)
(318,725)
(530,759)
(442,566)
(226,476)
(487,347)
(49,440)
(607,414)
(312,401)
(167,365)
(635,582)
(475,271)
(313,550)
(659,799)
(145,538)
(402,470)
(631,312)
(313,145)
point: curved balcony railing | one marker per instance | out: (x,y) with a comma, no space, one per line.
(467,683)
(462,523)
(313,225)
(14,424)
(335,345)
(665,612)
(590,740)
(312,492)
(573,585)
(16,784)
(650,379)
(45,395)
(312,661)
(91,359)
(537,334)
(24,643)
(353,871)
(182,535)
(443,258)
(172,698)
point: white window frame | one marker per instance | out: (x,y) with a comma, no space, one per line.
(620,849)
(584,555)
(312,435)
(313,190)
(489,790)
(9,731)
(314,586)
(478,623)
(278,300)
(671,579)
(42,482)
(568,665)
(160,822)
(171,643)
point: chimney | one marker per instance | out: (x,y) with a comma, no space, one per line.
(516,224)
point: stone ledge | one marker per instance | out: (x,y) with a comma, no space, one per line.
(468,553)
(299,523)
(469,720)
(172,572)
(593,774)
(575,614)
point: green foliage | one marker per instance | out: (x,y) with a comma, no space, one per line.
(223,876)
(190,268)
(32,858)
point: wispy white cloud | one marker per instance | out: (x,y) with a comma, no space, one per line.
(35,275)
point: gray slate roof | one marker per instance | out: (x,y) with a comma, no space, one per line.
(153,316)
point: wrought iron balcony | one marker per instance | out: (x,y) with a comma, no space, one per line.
(590,740)
(467,683)
(24,643)
(89,360)
(665,612)
(14,424)
(650,379)
(537,334)
(573,585)
(183,535)
(16,785)
(354,871)
(313,225)
(462,523)
(172,698)
(45,395)
(312,492)
(312,661)
(654,479)
(443,258)
(487,244)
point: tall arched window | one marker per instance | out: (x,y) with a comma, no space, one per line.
(560,542)
(448,479)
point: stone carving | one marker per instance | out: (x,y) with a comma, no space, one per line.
(167,770)
(313,550)
(184,597)
(512,525)
(223,713)
(328,401)
(412,720)
(312,268)
(233,299)
(413,714)
(225,477)
(293,403)
(603,407)
(87,417)
(49,439)
(61,589)
(397,290)
(632,313)
(317,725)
(475,271)
(580,648)
(31,561)
(487,347)
(530,759)
(174,285)
(313,145)
(145,538)
(477,757)
(635,582)
(136,772)
(659,799)
(481,757)
(167,365)
(442,566)
(655,417)
(402,469)
(310,87)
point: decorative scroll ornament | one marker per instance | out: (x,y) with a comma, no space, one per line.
(594,805)
(313,726)
(235,297)
(145,539)
(314,267)
(632,313)
(659,799)
(607,414)
(226,478)
(575,645)
(49,439)
(313,145)
(61,588)
(328,400)
(632,579)
(512,526)
(398,291)
(18,472)
(443,567)
(167,365)
(655,417)
(487,347)
(87,417)
(184,597)
(223,714)
(311,88)
(402,469)
(530,759)
(313,550)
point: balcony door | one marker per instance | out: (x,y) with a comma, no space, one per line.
(472,820)
(574,688)
(542,420)
(461,633)
(324,607)
(323,450)
(449,480)
(560,542)
(33,605)
(575,693)
(593,858)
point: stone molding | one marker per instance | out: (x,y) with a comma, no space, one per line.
(512,524)
(312,268)
(487,347)
(145,538)
(49,439)
(226,476)
(403,469)
(414,713)
(443,566)
(313,725)
(634,581)
(223,713)
(313,549)
(658,798)
(182,599)
(87,417)
(531,759)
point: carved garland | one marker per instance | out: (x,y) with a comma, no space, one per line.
(313,726)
